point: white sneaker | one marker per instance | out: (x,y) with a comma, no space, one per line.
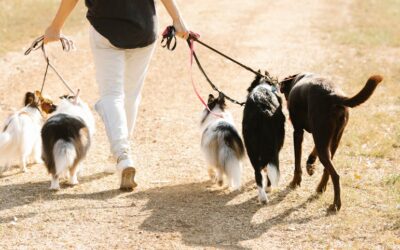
(125,165)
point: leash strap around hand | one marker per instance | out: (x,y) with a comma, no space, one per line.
(67,45)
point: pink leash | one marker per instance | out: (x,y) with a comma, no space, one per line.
(192,79)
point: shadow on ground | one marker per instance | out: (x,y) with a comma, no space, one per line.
(205,218)
(15,195)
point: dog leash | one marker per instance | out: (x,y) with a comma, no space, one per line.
(192,54)
(38,43)
(169,42)
(169,36)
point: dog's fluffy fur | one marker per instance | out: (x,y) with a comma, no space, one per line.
(221,144)
(263,132)
(20,136)
(318,106)
(66,139)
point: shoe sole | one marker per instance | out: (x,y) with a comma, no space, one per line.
(128,180)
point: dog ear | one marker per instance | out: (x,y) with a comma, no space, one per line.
(76,96)
(211,98)
(286,83)
(29,98)
(221,100)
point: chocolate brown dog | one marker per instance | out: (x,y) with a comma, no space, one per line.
(320,108)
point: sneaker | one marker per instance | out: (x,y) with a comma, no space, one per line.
(127,173)
(128,179)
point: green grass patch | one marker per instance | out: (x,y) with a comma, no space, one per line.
(23,20)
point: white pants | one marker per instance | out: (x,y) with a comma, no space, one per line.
(120,74)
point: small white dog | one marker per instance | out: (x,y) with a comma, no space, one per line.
(66,138)
(20,137)
(221,144)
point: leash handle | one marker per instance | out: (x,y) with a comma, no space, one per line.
(169,36)
(66,44)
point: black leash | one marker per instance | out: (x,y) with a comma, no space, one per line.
(67,45)
(209,80)
(169,42)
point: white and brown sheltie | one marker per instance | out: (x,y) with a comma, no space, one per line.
(221,144)
(20,137)
(66,138)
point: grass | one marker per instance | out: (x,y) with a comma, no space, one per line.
(368,156)
(23,20)
(367,36)
(373,23)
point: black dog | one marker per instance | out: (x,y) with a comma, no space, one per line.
(263,132)
(320,108)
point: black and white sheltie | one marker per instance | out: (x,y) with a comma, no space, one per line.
(221,144)
(263,132)
(20,137)
(66,138)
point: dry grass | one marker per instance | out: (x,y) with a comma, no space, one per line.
(23,20)
(174,206)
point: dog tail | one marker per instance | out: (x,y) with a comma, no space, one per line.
(5,139)
(233,169)
(9,133)
(64,156)
(273,174)
(364,94)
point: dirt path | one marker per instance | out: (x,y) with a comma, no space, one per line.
(175,206)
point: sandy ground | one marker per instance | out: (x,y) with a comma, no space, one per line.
(175,206)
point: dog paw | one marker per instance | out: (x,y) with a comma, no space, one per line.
(220,183)
(263,200)
(38,161)
(332,209)
(321,189)
(310,169)
(73,182)
(268,189)
(262,196)
(294,184)
(55,188)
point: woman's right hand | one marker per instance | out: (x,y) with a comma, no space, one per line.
(52,35)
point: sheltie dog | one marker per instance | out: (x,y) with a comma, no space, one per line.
(221,144)
(66,138)
(20,137)
(263,133)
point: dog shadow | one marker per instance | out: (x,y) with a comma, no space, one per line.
(211,218)
(16,195)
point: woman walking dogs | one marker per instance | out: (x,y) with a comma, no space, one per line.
(122,38)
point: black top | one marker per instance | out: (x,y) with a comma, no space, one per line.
(127,24)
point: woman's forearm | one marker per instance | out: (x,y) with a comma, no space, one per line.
(179,23)
(52,33)
(63,12)
(172,9)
